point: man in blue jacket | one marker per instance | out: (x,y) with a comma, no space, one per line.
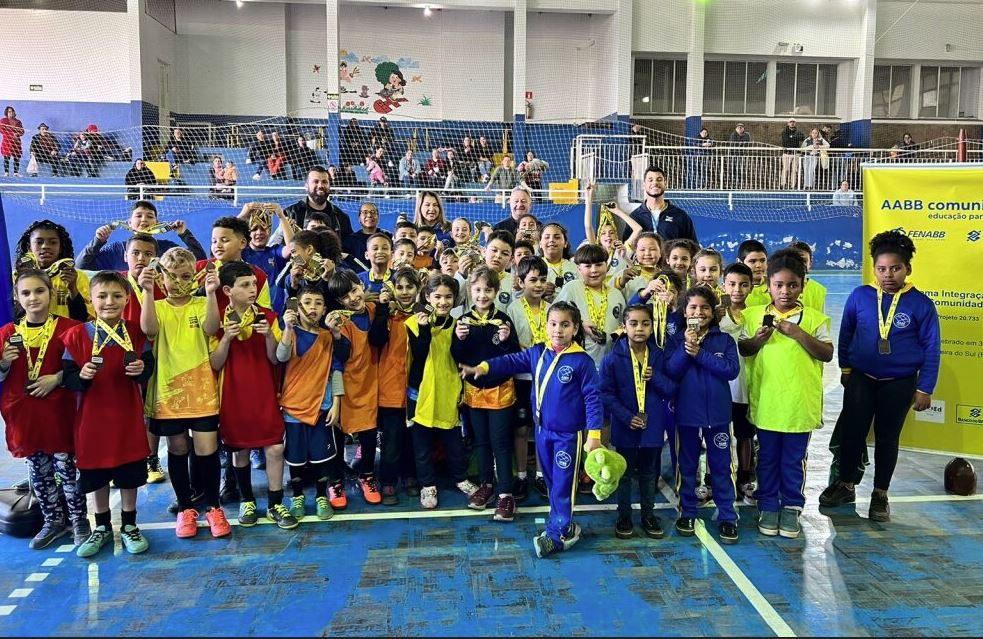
(657,214)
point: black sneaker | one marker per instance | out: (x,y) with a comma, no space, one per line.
(624,529)
(228,495)
(49,532)
(728,532)
(879,508)
(837,494)
(520,489)
(540,485)
(653,527)
(197,500)
(686,526)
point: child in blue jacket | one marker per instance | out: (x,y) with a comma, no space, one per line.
(703,359)
(633,388)
(566,402)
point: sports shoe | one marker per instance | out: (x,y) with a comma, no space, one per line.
(728,532)
(96,540)
(298,507)
(467,487)
(703,494)
(540,485)
(217,522)
(49,532)
(747,492)
(837,494)
(623,528)
(187,523)
(686,526)
(324,509)
(247,514)
(788,523)
(389,496)
(652,527)
(257,458)
(505,509)
(520,489)
(481,497)
(229,493)
(81,531)
(879,508)
(412,488)
(133,540)
(155,472)
(428,497)
(544,545)
(337,496)
(280,516)
(370,490)
(572,537)
(768,523)
(584,486)
(21,486)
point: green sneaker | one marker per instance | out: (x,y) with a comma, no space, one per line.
(788,525)
(324,509)
(97,539)
(544,545)
(298,507)
(280,516)
(133,540)
(247,514)
(768,523)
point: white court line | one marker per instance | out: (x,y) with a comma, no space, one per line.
(20,593)
(37,576)
(65,548)
(753,595)
(93,591)
(51,563)
(6,610)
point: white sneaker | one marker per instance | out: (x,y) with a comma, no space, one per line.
(256,176)
(467,487)
(428,497)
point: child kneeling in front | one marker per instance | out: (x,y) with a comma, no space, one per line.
(703,359)
(633,387)
(566,401)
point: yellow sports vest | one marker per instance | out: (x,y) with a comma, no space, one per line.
(440,387)
(785,383)
(759,295)
(814,296)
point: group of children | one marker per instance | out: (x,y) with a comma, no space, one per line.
(287,349)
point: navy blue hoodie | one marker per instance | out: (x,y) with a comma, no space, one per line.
(621,404)
(703,399)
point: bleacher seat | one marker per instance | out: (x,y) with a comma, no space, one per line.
(564,192)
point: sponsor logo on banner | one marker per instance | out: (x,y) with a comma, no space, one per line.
(924,234)
(967,414)
(973,236)
(934,414)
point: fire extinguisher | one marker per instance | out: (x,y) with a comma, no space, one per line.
(529,109)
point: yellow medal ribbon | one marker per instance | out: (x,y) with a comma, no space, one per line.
(555,268)
(477,319)
(339,313)
(541,386)
(597,311)
(137,289)
(638,372)
(780,316)
(884,323)
(537,326)
(261,218)
(120,337)
(385,278)
(39,338)
(605,218)
(30,260)
(246,321)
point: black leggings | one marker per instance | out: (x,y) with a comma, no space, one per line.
(14,163)
(886,403)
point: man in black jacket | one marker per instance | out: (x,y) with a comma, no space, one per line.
(318,191)
(301,159)
(791,143)
(658,214)
(259,152)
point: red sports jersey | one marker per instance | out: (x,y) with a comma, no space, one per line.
(133,305)
(109,428)
(262,286)
(34,424)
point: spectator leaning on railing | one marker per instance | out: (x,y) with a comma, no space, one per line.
(739,141)
(814,146)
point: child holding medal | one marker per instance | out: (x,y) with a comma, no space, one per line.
(890,347)
(633,387)
(38,411)
(106,360)
(789,344)
(47,246)
(480,334)
(379,253)
(567,402)
(703,359)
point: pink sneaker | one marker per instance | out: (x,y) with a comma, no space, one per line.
(218,523)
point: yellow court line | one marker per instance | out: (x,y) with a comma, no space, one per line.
(753,595)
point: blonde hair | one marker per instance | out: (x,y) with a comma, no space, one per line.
(177,256)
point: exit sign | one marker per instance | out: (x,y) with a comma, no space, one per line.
(37,87)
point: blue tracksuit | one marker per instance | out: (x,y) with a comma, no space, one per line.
(571,404)
(703,404)
(371,286)
(271,261)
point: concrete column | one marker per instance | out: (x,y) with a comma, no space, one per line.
(694,71)
(623,64)
(916,90)
(863,93)
(332,136)
(771,87)
(518,80)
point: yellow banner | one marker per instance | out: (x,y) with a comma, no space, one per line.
(940,208)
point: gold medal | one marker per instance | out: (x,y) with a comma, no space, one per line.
(884,323)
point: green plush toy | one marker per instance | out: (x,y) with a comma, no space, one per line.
(605,467)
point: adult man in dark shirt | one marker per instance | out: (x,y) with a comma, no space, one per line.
(356,243)
(301,158)
(791,142)
(259,152)
(318,191)
(520,203)
(739,141)
(658,214)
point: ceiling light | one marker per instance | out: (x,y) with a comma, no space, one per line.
(427,12)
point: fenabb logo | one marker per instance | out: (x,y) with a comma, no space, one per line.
(924,234)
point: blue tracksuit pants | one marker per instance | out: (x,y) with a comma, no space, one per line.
(559,454)
(721,460)
(782,461)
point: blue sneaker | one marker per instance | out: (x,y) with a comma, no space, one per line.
(258,458)
(768,523)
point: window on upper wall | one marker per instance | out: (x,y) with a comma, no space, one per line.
(659,86)
(949,92)
(892,91)
(805,89)
(734,87)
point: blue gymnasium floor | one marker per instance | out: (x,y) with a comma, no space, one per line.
(398,571)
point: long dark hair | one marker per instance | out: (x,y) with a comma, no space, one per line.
(24,243)
(574,313)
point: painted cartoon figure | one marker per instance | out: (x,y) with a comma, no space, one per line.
(391,77)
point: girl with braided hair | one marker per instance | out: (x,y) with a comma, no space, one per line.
(47,246)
